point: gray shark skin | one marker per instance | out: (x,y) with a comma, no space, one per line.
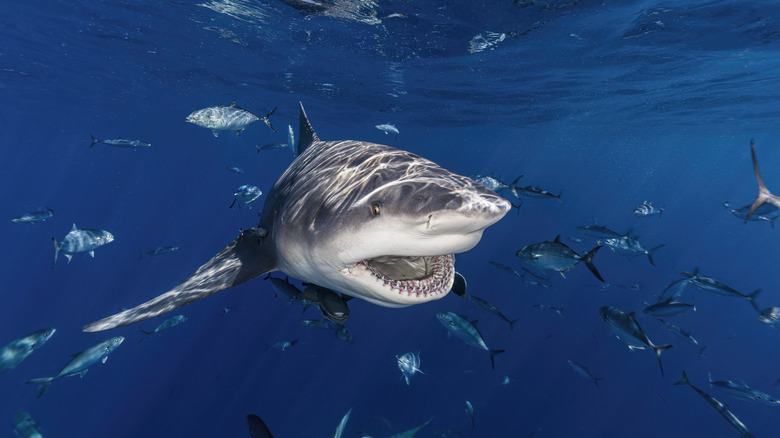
(363,219)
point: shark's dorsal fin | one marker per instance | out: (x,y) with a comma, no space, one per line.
(306,134)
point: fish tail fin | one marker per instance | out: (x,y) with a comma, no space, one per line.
(512,323)
(146,335)
(764,195)
(512,184)
(596,381)
(560,192)
(56,251)
(752,299)
(658,350)
(683,381)
(267,119)
(94,141)
(709,377)
(140,254)
(46,382)
(650,253)
(517,206)
(588,260)
(493,353)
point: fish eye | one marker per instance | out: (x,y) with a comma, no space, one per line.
(375,209)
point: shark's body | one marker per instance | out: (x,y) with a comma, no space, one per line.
(364,219)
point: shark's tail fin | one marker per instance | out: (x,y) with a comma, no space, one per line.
(764,195)
(267,119)
(306,134)
(658,350)
(588,260)
(493,353)
(650,253)
(46,381)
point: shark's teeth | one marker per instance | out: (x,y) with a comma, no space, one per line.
(441,270)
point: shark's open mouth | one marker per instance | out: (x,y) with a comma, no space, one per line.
(423,277)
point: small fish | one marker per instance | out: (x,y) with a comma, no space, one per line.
(646,209)
(342,425)
(245,195)
(626,328)
(81,240)
(257,427)
(679,332)
(722,409)
(388,129)
(556,256)
(507,380)
(583,371)
(492,309)
(282,345)
(466,331)
(506,268)
(743,391)
(669,307)
(533,192)
(165,325)
(409,364)
(20,349)
(120,143)
(234,169)
(25,426)
(716,287)
(80,363)
(34,217)
(558,310)
(286,289)
(470,413)
(227,118)
(160,250)
(770,316)
(599,232)
(411,433)
(226,310)
(765,213)
(493,183)
(630,247)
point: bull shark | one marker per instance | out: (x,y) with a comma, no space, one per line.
(364,219)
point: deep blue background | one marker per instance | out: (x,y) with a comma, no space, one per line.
(612,104)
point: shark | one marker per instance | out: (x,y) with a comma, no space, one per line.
(364,219)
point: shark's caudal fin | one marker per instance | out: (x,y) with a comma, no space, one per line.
(764,195)
(247,257)
(306,134)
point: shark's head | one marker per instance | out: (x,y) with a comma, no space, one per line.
(378,223)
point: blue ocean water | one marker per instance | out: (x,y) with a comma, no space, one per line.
(611,104)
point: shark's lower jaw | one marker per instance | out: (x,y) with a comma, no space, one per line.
(410,279)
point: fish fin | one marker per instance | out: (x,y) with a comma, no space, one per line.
(557,239)
(215,132)
(84,373)
(69,257)
(91,254)
(515,181)
(752,299)
(684,380)
(512,323)
(560,192)
(56,251)
(46,382)
(588,260)
(238,132)
(94,141)
(764,195)
(596,381)
(74,228)
(658,350)
(709,377)
(493,353)
(267,119)
(306,134)
(234,203)
(252,254)
(650,253)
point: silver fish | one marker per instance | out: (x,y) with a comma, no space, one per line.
(630,247)
(714,286)
(20,349)
(770,316)
(599,232)
(558,310)
(646,209)
(165,325)
(466,331)
(679,332)
(245,195)
(25,426)
(765,213)
(160,250)
(533,192)
(493,183)
(669,307)
(584,372)
(743,391)
(506,268)
(235,169)
(626,328)
(34,217)
(764,195)
(556,256)
(722,409)
(493,309)
(120,143)
(227,118)
(81,240)
(80,363)
(282,345)
(387,129)
(409,364)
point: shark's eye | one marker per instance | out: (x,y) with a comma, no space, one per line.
(375,209)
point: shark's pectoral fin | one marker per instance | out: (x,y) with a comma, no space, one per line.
(252,254)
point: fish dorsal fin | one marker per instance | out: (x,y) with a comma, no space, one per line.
(631,315)
(233,103)
(557,239)
(306,134)
(74,227)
